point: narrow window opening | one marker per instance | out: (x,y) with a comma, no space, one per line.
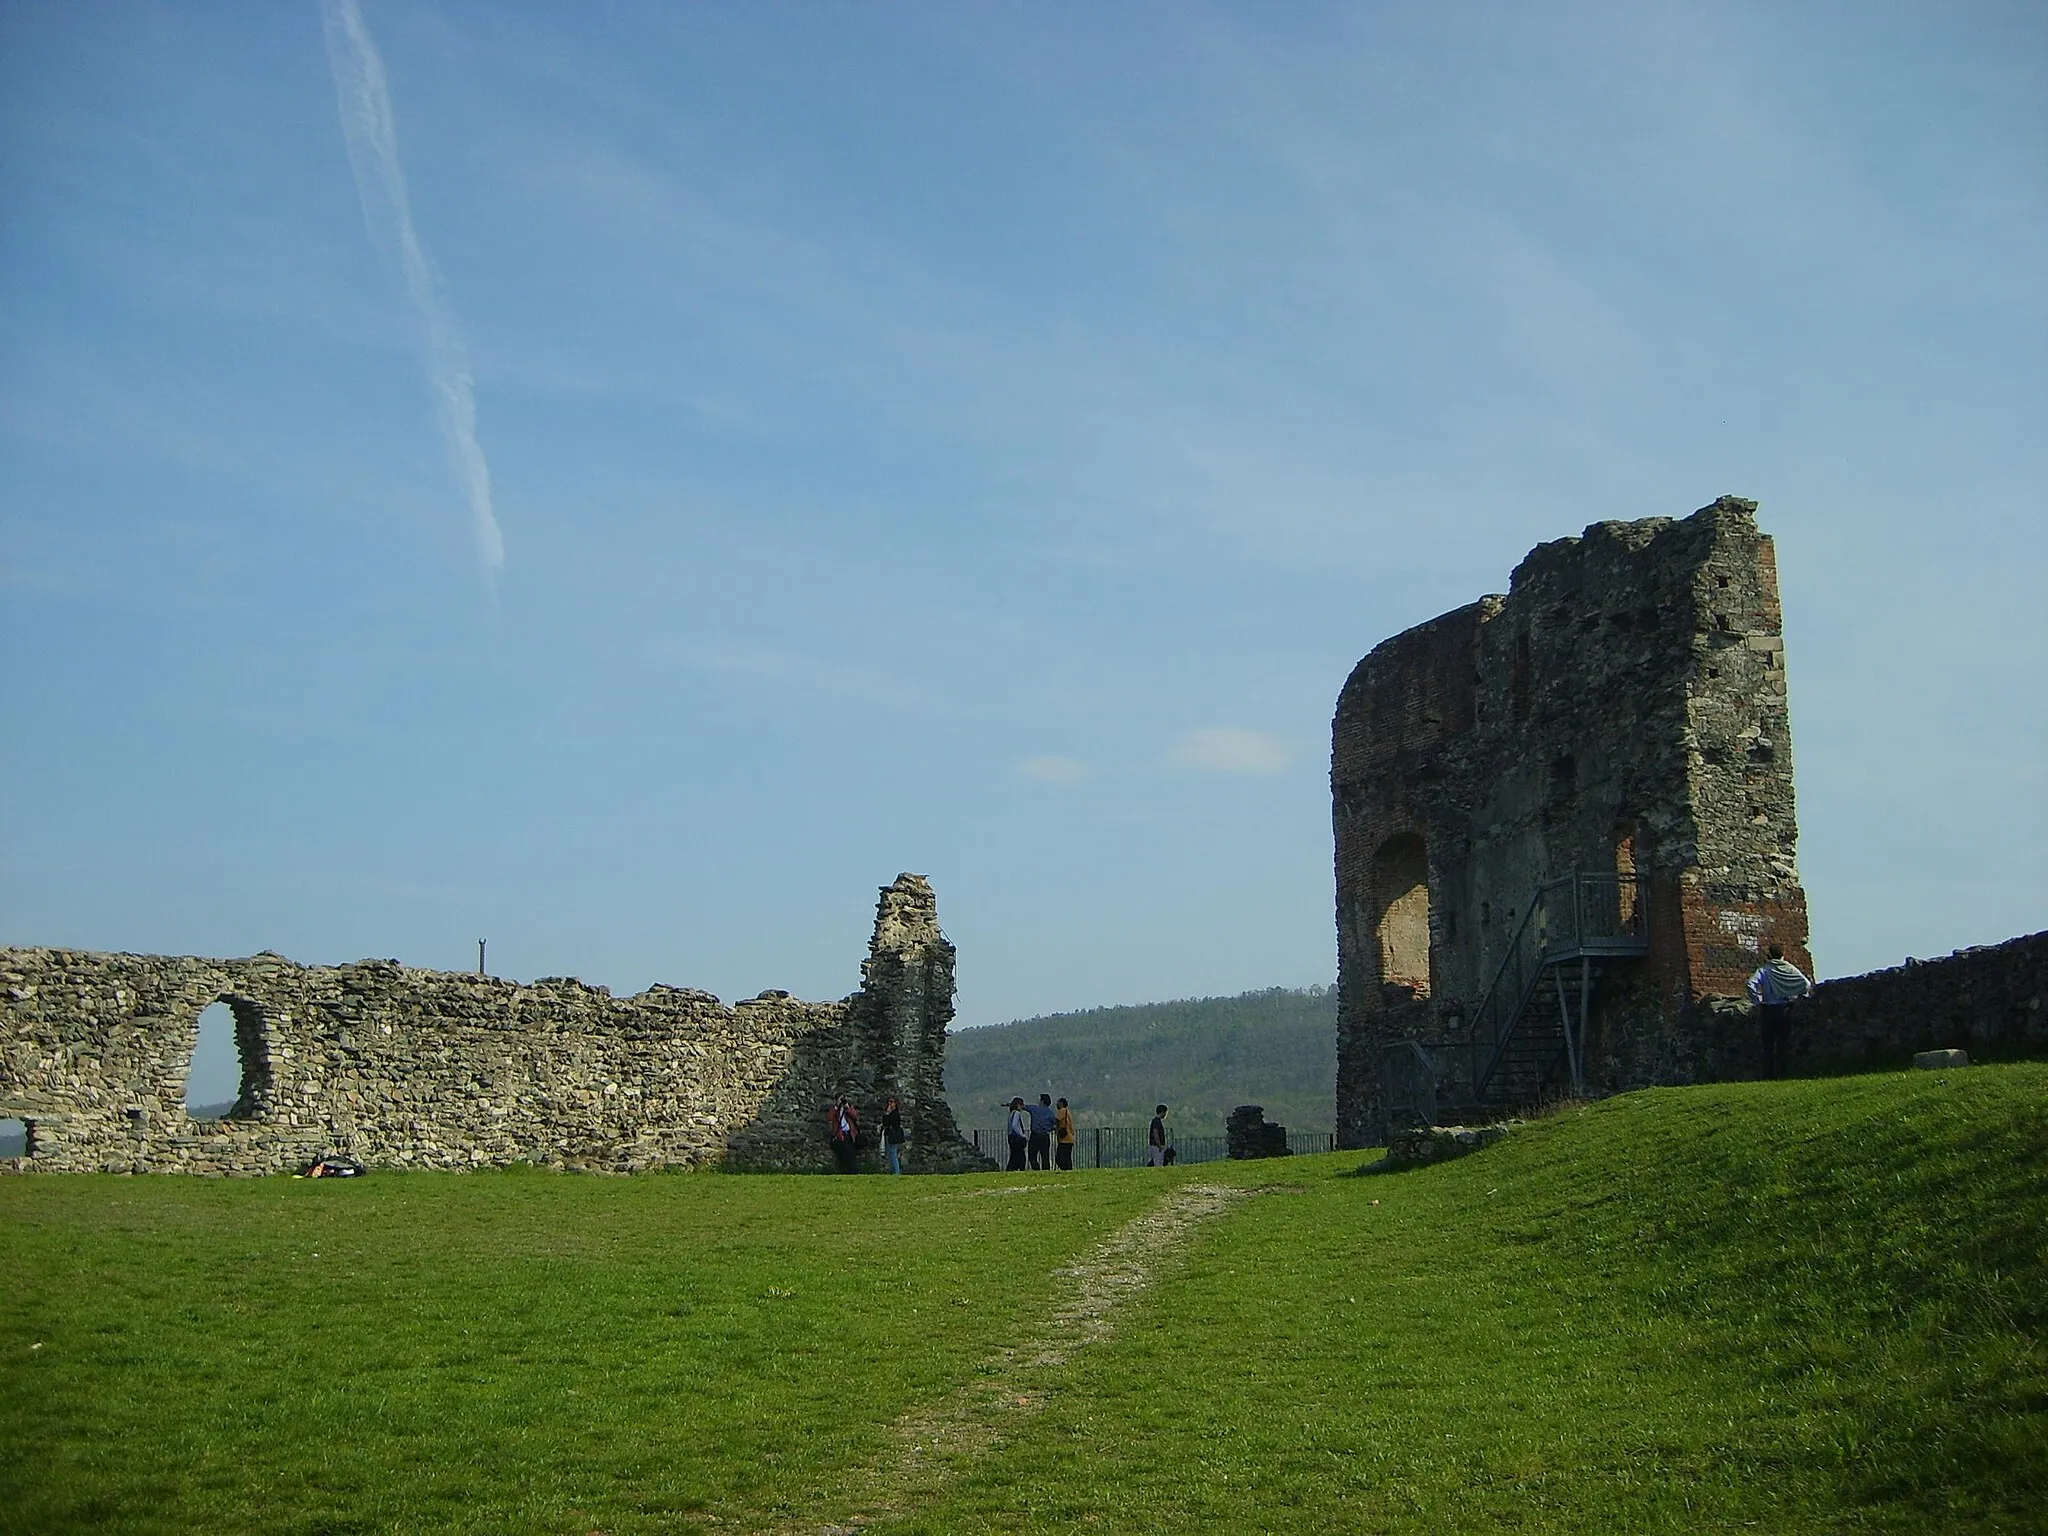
(1519,679)
(219,1078)
(1563,796)
(1627,883)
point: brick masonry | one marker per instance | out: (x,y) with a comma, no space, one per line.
(400,1067)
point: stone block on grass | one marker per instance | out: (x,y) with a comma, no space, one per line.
(1934,1061)
(1420,1145)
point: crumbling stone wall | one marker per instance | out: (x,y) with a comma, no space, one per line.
(1247,1133)
(1621,709)
(400,1067)
(1991,1001)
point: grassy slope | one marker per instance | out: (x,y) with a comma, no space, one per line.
(1204,1056)
(1811,1306)
(1782,1306)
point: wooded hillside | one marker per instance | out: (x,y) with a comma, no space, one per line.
(1203,1056)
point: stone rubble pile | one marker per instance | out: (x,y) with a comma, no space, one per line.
(1246,1133)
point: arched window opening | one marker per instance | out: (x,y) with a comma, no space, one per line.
(16,1137)
(1401,895)
(217,1076)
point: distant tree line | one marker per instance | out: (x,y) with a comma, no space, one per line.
(1204,1056)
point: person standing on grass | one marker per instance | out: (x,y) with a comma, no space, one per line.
(1041,1133)
(844,1129)
(1155,1139)
(1020,1135)
(1774,987)
(1063,1137)
(893,1136)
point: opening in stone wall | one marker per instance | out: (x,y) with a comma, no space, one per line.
(1561,790)
(14,1137)
(214,1081)
(1628,894)
(1401,895)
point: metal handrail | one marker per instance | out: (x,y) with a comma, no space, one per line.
(1407,1062)
(1487,1029)
(1616,927)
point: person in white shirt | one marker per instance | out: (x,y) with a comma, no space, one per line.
(1774,987)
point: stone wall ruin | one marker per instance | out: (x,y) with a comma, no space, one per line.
(406,1068)
(1598,766)
(1620,712)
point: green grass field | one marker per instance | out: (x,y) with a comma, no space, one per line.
(1810,1306)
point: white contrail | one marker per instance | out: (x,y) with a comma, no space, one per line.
(372,136)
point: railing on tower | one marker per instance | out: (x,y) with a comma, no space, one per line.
(1580,917)
(1577,917)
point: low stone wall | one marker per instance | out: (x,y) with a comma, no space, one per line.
(1991,1001)
(1417,1146)
(399,1067)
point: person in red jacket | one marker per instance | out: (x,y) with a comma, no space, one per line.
(844,1129)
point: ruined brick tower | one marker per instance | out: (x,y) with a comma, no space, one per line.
(1564,823)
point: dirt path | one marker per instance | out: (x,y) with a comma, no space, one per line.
(937,1442)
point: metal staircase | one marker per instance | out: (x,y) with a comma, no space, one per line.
(1526,1039)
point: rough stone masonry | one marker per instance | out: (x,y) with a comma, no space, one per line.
(1607,748)
(1622,709)
(405,1068)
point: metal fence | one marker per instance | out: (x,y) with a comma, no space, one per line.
(1125,1146)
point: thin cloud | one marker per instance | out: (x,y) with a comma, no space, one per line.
(1054,770)
(846,681)
(1222,750)
(371,132)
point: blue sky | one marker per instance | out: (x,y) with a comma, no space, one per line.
(626,480)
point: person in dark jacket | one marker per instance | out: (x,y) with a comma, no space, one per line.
(893,1136)
(1041,1132)
(1774,988)
(1157,1147)
(844,1128)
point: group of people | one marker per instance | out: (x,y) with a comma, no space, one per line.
(1041,1134)
(842,1129)
(1048,1127)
